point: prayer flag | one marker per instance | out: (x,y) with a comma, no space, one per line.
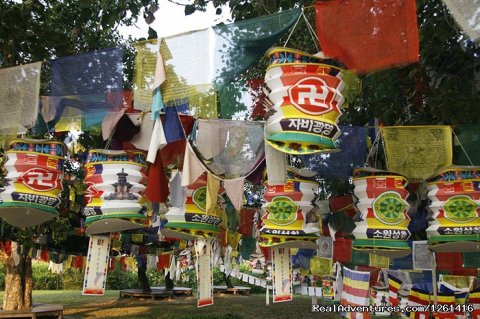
(356,286)
(393,287)
(418,297)
(368,35)
(417,152)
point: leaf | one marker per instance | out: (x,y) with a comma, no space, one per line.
(149,17)
(153,7)
(189,9)
(85,3)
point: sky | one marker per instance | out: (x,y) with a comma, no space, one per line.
(170,19)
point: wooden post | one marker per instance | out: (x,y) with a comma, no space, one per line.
(267,301)
(434,278)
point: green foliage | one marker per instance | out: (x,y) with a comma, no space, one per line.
(441,89)
(38,30)
(42,30)
(44,279)
(72,279)
(218,277)
(118,279)
(2,276)
(218,280)
(155,278)
(90,140)
(341,222)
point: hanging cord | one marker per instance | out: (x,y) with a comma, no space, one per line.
(385,154)
(374,146)
(311,31)
(293,29)
(463,149)
(109,141)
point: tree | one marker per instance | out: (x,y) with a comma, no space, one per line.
(441,89)
(18,278)
(33,31)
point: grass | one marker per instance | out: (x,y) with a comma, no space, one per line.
(225,306)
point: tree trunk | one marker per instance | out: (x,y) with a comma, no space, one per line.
(169,282)
(18,282)
(142,277)
(228,281)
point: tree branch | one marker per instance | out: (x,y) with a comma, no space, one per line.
(177,3)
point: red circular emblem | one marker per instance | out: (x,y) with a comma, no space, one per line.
(312,95)
(41,180)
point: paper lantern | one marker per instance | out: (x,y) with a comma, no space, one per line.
(383,224)
(289,219)
(454,195)
(115,183)
(305,95)
(191,220)
(33,182)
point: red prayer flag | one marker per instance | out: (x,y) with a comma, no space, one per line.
(449,260)
(342,250)
(368,35)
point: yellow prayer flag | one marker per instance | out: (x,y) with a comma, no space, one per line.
(213,186)
(417,151)
(137,238)
(116,245)
(188,74)
(379,261)
(320,266)
(144,76)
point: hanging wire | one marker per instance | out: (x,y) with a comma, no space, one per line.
(311,31)
(109,141)
(463,149)
(293,29)
(385,153)
(374,146)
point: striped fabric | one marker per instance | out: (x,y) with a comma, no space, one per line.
(356,285)
(357,315)
(445,298)
(418,297)
(474,298)
(449,283)
(475,314)
(461,298)
(393,287)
